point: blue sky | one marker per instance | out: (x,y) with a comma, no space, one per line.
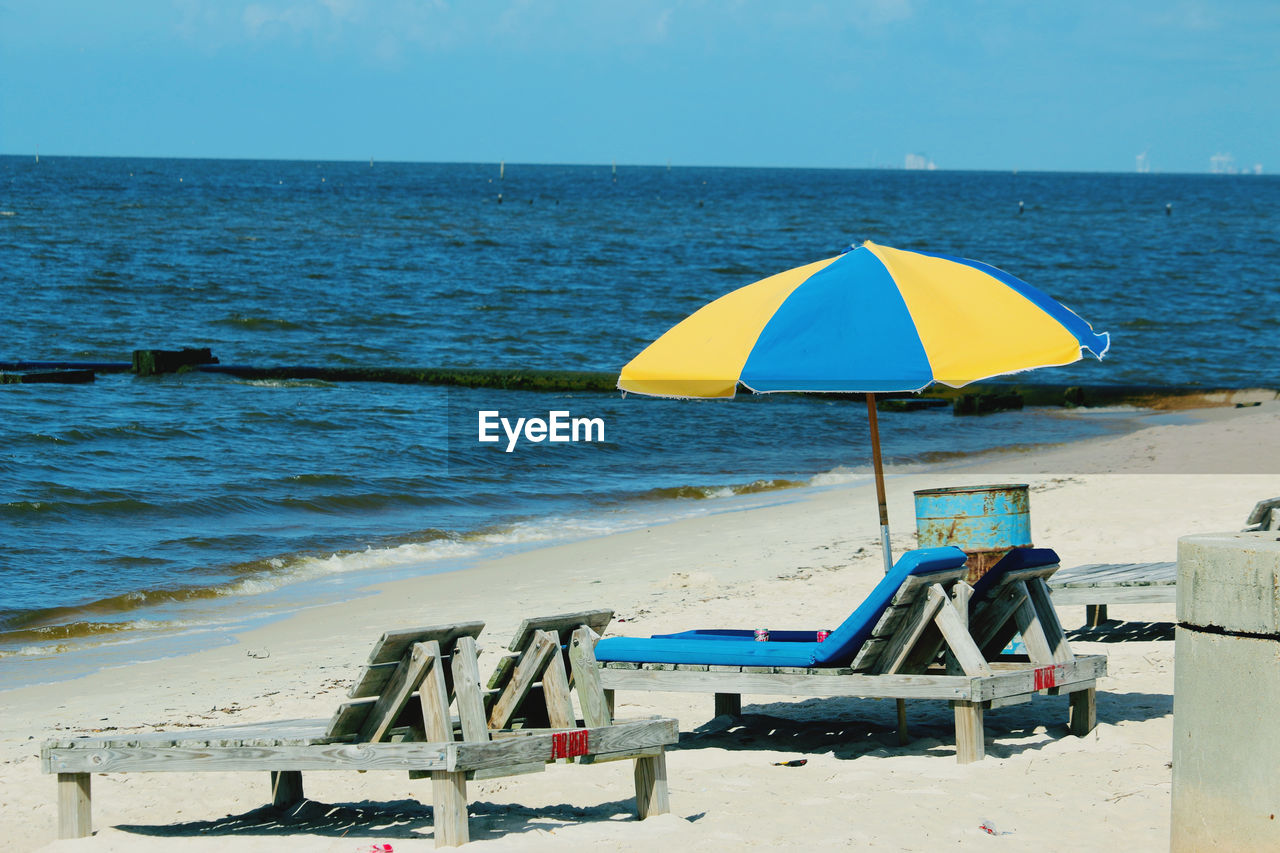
(989,84)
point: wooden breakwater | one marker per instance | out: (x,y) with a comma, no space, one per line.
(979,398)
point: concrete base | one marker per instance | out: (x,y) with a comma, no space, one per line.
(1226,707)
(1226,743)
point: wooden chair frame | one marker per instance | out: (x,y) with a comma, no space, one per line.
(901,660)
(398,718)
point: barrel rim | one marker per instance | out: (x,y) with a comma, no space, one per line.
(965,490)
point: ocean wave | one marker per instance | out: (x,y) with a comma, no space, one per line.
(246,500)
(727,491)
(840,476)
(62,637)
(259,323)
(291,383)
(108,616)
(133,430)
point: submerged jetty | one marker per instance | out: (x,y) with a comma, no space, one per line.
(977,399)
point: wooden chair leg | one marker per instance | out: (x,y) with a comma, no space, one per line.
(1083,714)
(970,740)
(449,808)
(728,703)
(75,806)
(1094,615)
(651,786)
(286,788)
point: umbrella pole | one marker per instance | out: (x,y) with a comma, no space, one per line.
(879,466)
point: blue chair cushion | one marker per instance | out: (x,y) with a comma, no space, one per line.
(784,648)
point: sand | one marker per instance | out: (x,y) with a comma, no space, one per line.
(802,558)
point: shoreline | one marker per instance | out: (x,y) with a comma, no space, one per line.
(102,632)
(222,619)
(801,561)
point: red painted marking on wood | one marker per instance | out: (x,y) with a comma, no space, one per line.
(1045,677)
(569,744)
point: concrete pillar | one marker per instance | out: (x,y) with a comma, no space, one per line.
(1226,707)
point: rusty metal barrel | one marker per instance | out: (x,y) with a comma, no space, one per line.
(986,522)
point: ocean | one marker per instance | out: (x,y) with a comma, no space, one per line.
(139,516)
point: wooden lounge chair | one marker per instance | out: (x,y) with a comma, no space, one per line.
(398,718)
(909,640)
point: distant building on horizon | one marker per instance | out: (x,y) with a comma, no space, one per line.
(1222,164)
(1144,165)
(919,162)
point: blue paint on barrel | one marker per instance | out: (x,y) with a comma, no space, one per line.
(974,518)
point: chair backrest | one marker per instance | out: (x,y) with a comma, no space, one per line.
(1013,597)
(846,640)
(538,664)
(392,674)
(1016,561)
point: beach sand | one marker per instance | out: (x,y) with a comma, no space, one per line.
(803,560)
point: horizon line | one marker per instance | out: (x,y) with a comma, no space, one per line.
(614,164)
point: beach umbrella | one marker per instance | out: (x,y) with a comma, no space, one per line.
(869,321)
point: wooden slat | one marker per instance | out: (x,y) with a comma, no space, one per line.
(922,613)
(869,686)
(436,721)
(408,675)
(538,747)
(555,689)
(961,594)
(889,620)
(526,672)
(1116,583)
(510,770)
(392,645)
(466,685)
(1060,649)
(606,757)
(586,678)
(900,605)
(278,733)
(926,650)
(959,643)
(378,671)
(871,651)
(1012,576)
(1033,635)
(1145,594)
(560,624)
(989,618)
(1103,572)
(341,756)
(915,585)
(1008,679)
